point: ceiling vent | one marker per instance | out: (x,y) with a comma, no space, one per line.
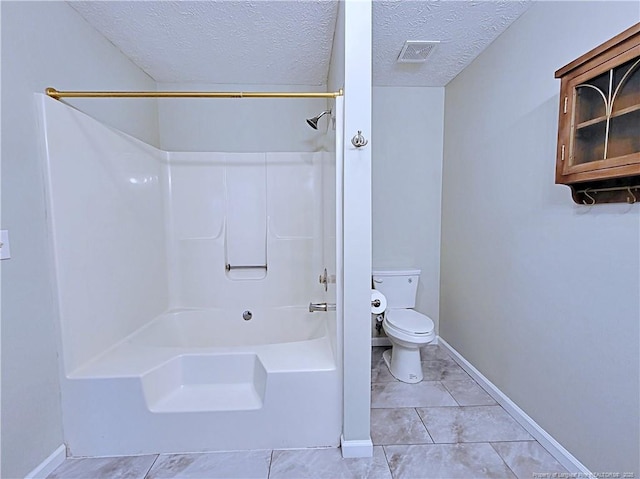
(416,51)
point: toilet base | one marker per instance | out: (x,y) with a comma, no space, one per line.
(404,364)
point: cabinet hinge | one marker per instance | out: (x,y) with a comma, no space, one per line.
(562,154)
(566,98)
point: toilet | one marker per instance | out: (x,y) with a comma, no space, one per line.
(406,328)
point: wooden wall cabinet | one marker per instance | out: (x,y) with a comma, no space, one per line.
(599,124)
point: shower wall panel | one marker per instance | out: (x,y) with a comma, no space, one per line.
(107,221)
(245,239)
(328,245)
(206,189)
(138,231)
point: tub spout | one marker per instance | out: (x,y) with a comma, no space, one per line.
(321,307)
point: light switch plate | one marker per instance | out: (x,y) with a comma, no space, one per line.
(5,251)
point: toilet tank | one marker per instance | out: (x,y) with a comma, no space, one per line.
(398,286)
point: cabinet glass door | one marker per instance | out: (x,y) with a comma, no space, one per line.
(605,129)
(624,124)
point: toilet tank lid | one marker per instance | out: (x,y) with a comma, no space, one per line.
(395,272)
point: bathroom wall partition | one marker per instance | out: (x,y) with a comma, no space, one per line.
(183,283)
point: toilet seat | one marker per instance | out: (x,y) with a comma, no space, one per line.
(410,321)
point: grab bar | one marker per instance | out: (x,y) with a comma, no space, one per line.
(228,267)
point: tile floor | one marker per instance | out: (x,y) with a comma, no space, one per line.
(444,427)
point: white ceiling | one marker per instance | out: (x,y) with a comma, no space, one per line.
(465,28)
(274,42)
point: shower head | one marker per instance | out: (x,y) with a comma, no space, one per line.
(313,122)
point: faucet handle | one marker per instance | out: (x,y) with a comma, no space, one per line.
(323,279)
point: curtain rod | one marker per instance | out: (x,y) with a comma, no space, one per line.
(53,93)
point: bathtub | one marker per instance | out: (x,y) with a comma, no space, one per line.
(221,328)
(174,383)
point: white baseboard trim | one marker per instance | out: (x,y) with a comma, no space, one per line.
(47,466)
(563,456)
(380,341)
(358,448)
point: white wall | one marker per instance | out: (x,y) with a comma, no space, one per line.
(407,177)
(356,440)
(540,294)
(44,44)
(241,125)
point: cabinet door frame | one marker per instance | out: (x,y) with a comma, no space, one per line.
(617,51)
(572,84)
(616,165)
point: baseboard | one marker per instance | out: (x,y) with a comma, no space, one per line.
(359,448)
(47,466)
(563,456)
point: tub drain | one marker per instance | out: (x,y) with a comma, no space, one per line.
(247,315)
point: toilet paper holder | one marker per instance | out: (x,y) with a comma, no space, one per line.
(378,302)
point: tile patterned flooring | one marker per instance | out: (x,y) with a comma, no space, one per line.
(446,427)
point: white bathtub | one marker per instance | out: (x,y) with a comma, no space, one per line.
(171,385)
(220,328)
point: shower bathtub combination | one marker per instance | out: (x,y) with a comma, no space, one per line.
(183,288)
(184,382)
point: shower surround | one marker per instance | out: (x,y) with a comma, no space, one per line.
(183,283)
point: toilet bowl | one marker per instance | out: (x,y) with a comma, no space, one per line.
(406,328)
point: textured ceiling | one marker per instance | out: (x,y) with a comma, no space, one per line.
(239,42)
(274,42)
(465,28)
